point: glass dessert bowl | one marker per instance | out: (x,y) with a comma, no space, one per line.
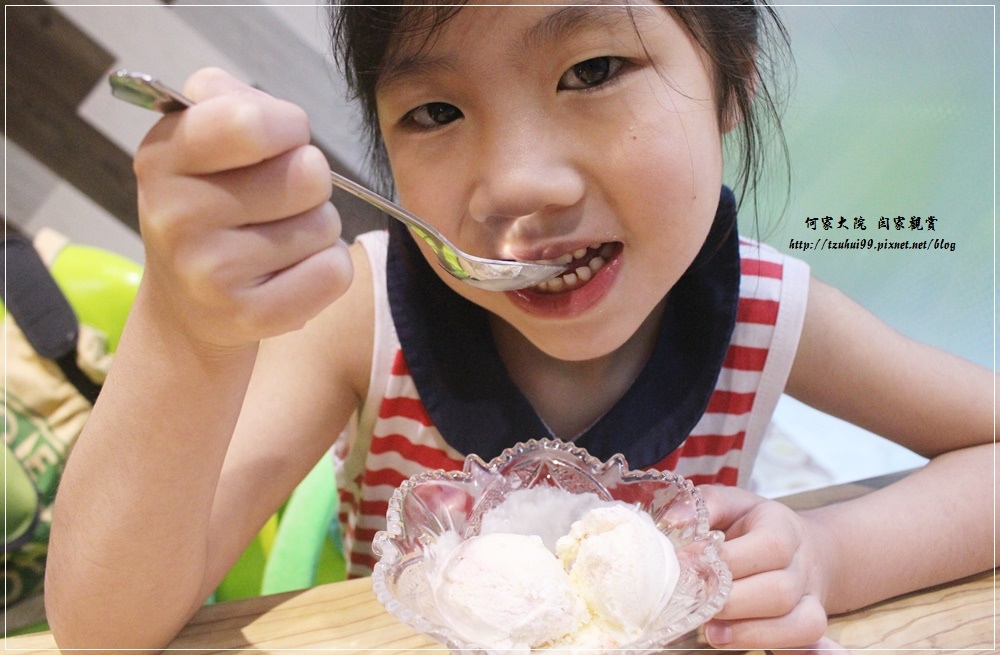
(437,507)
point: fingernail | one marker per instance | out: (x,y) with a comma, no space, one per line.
(718,633)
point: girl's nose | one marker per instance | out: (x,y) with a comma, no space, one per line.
(523,173)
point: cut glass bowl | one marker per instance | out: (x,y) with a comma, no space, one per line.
(429,504)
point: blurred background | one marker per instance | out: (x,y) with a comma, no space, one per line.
(890,113)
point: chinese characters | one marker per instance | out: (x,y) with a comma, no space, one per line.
(858,223)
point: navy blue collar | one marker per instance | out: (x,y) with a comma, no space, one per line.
(477,407)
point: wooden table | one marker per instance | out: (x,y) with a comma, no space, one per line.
(345,617)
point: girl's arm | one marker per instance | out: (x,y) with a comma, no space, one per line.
(933,526)
(233,375)
(852,365)
(158,501)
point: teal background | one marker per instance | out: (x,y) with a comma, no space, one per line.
(891,112)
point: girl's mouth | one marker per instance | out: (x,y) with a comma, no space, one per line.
(582,265)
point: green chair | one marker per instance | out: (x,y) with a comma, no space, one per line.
(297,548)
(100,286)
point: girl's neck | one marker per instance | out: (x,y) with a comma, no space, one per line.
(570,396)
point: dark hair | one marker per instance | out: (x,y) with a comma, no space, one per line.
(738,38)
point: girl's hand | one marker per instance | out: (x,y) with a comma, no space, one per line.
(241,240)
(778,574)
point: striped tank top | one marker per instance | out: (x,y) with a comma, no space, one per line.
(392,436)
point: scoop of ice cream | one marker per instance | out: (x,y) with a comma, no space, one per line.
(622,565)
(507,591)
(546,511)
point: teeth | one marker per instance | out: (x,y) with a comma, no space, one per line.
(563,260)
(580,274)
(566,259)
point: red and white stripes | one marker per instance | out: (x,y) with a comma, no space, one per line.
(714,451)
(720,449)
(404,442)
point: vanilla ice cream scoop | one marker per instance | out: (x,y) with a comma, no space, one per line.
(595,577)
(506,590)
(623,567)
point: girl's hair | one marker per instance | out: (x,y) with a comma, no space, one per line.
(737,36)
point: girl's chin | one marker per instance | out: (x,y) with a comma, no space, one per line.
(584,348)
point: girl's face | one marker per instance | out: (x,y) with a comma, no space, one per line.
(555,133)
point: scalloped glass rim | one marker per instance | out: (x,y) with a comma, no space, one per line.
(431,502)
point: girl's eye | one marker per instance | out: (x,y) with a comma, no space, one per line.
(434,114)
(590,73)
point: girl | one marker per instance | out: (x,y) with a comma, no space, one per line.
(585,134)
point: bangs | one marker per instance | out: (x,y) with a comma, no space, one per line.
(369,41)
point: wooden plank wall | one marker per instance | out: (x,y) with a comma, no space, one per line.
(69,144)
(51,68)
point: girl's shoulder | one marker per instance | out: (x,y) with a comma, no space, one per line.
(774,285)
(342,335)
(764,260)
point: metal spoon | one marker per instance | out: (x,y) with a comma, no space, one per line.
(491,274)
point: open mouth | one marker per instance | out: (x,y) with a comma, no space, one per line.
(582,265)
